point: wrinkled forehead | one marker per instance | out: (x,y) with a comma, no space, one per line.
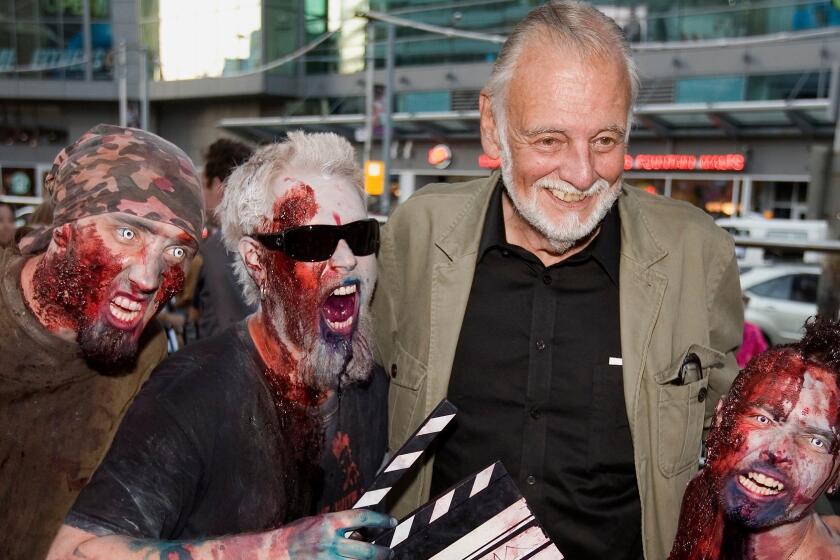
(309,197)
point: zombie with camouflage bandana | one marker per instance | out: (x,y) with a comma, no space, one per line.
(75,304)
(255,442)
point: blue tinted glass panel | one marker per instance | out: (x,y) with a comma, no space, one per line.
(424,102)
(710,90)
(101,42)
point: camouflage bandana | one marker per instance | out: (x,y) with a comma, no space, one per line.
(115,169)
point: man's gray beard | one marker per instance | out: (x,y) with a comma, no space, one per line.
(328,364)
(561,241)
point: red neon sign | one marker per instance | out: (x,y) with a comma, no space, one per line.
(685,162)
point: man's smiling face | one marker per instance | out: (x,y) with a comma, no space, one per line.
(780,452)
(108,276)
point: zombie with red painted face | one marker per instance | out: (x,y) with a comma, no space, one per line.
(772,452)
(75,308)
(255,442)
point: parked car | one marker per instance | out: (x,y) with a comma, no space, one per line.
(782,297)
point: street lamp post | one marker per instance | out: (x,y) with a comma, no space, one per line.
(387,122)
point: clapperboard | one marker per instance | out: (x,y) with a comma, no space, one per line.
(483,517)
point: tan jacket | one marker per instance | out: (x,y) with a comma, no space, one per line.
(679,293)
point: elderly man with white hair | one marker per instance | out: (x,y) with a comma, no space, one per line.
(236,439)
(584,328)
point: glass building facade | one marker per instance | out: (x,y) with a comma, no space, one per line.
(238,35)
(47,38)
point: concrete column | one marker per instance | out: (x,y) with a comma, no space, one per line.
(746,196)
(828,292)
(407,183)
(819,164)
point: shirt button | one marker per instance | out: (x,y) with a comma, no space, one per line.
(505,253)
(701,394)
(540,345)
(394,371)
(535,413)
(546,279)
(531,480)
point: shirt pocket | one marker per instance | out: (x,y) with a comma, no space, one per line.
(610,440)
(681,409)
(408,376)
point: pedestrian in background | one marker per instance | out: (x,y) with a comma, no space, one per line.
(7,225)
(219,298)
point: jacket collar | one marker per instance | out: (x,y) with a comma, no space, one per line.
(463,235)
(639,241)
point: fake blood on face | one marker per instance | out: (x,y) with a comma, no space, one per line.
(71,290)
(292,290)
(173,283)
(772,381)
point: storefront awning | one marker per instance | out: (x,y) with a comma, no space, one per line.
(739,118)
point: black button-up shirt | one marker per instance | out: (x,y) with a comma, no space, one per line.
(537,381)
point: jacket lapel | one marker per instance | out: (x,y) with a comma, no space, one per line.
(454,268)
(642,290)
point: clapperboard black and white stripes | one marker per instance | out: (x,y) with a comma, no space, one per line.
(484,517)
(408,454)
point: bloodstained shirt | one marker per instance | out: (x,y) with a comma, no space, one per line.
(57,418)
(203,451)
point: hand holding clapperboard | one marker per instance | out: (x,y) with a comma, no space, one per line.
(483,517)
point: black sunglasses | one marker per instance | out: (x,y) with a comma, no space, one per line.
(317,243)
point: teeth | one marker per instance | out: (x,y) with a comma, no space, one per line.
(344,290)
(766,486)
(122,314)
(567,196)
(126,303)
(341,324)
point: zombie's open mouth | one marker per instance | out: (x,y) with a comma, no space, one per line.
(761,484)
(125,312)
(340,309)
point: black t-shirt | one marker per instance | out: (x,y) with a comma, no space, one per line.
(203,452)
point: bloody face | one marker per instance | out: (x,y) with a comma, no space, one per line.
(320,309)
(107,282)
(775,449)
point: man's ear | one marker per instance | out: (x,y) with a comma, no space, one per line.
(249,249)
(61,237)
(489,132)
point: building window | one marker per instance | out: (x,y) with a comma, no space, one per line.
(713,196)
(780,199)
(653,186)
(46,38)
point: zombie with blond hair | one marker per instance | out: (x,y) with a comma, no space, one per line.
(74,312)
(773,450)
(247,444)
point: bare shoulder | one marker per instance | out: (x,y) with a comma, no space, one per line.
(824,542)
(832,524)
